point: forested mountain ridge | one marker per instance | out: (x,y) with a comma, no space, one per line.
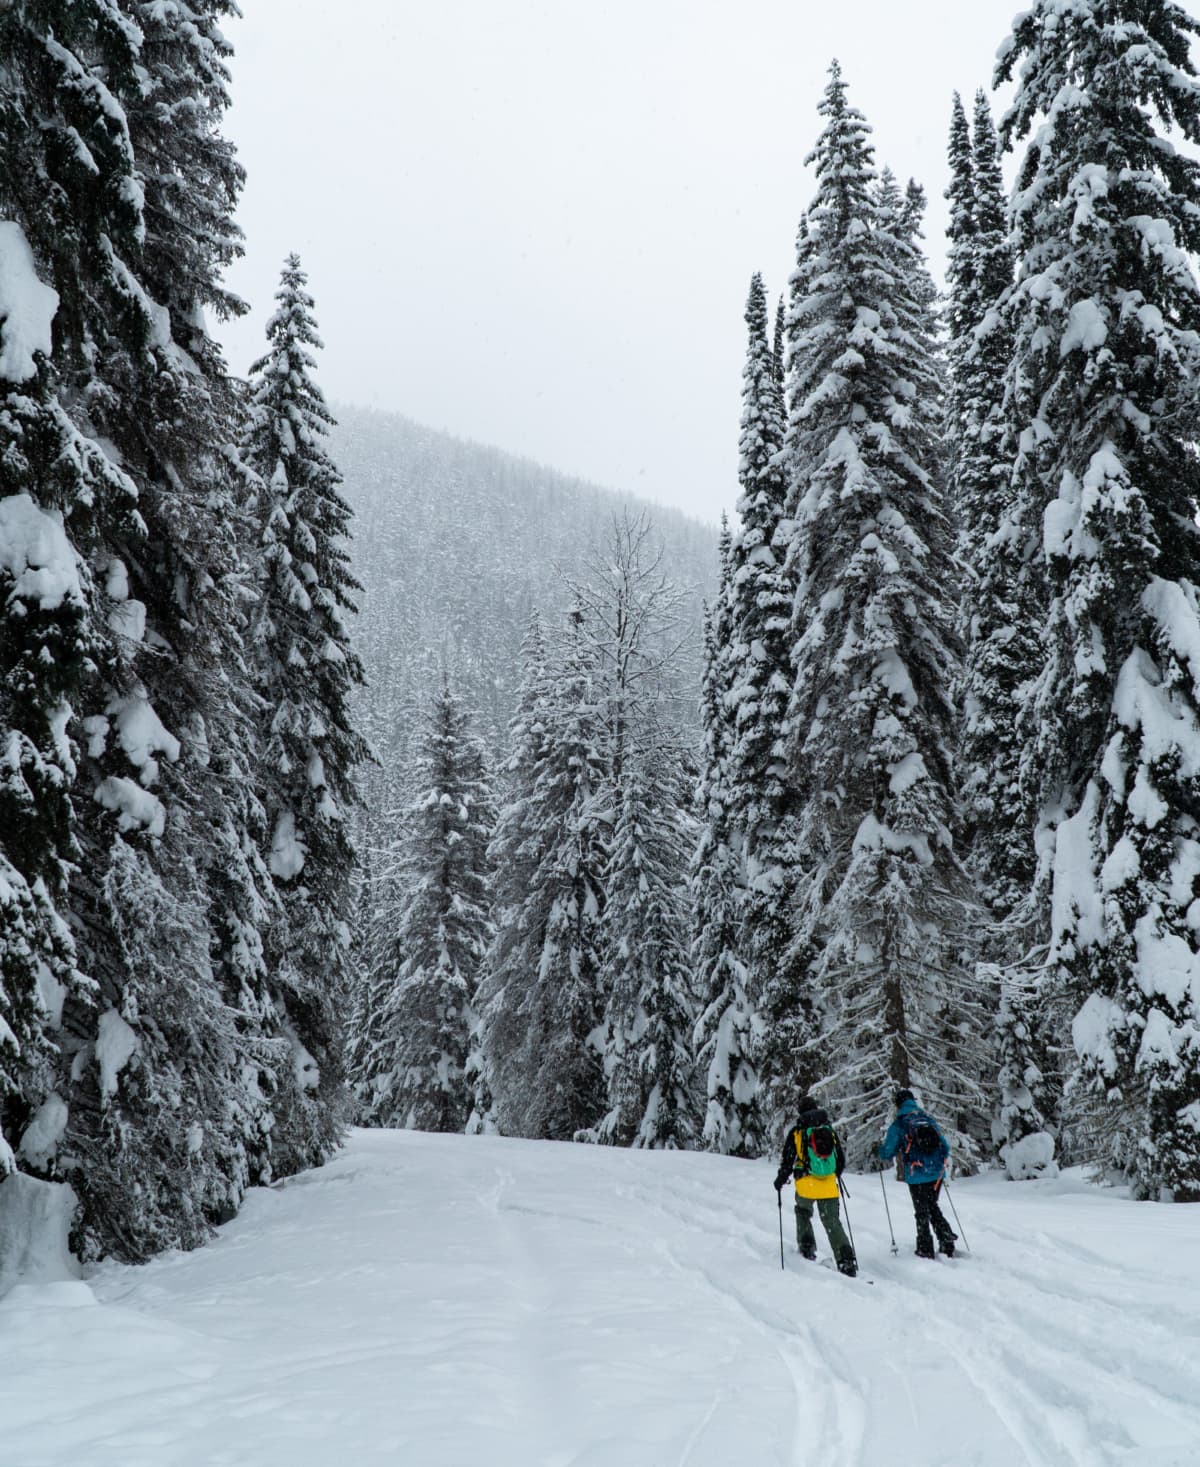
(456,544)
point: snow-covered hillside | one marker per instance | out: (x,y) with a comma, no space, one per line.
(456,544)
(432,1301)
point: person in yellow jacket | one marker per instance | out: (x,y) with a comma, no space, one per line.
(813,1157)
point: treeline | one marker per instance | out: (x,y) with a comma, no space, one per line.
(952,751)
(949,813)
(176,757)
(527,966)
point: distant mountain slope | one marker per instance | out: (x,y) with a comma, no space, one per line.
(455,545)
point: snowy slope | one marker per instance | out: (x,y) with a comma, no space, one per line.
(455,545)
(472,1302)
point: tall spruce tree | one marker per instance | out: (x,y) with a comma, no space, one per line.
(961,267)
(165,908)
(1001,609)
(779,343)
(305,670)
(1101,409)
(1000,618)
(909,211)
(201,553)
(627,621)
(628,607)
(121,189)
(1029,1090)
(757,651)
(414,1073)
(541,1039)
(758,673)
(515,852)
(727,1034)
(881,911)
(71,206)
(649,1070)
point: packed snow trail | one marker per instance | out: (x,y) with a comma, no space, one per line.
(439,1301)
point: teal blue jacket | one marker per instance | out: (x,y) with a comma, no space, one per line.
(917,1169)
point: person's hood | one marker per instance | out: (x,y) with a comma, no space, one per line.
(908,1108)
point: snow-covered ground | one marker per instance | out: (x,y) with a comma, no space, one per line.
(431,1301)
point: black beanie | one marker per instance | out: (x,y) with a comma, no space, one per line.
(901,1096)
(807,1103)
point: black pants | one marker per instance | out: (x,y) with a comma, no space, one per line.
(929,1216)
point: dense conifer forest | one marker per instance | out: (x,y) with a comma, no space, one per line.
(355,773)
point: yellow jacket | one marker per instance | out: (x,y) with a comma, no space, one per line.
(812,1189)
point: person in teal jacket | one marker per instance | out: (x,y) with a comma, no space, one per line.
(917,1138)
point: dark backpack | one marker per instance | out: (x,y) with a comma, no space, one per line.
(819,1153)
(922,1142)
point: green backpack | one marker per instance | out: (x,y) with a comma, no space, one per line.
(819,1150)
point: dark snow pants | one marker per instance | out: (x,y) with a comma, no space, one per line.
(831,1221)
(929,1216)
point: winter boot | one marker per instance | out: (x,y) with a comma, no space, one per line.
(848,1265)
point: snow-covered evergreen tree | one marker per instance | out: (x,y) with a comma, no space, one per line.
(727,1033)
(1024,1126)
(48,616)
(884,905)
(999,621)
(648,1064)
(757,651)
(628,606)
(1101,409)
(515,852)
(779,344)
(414,1072)
(70,206)
(165,805)
(380,840)
(758,675)
(305,670)
(908,212)
(541,998)
(1000,613)
(960,230)
(627,620)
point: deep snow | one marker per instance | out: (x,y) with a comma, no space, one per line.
(473,1302)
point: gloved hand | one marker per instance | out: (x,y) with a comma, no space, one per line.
(878,1164)
(779,1181)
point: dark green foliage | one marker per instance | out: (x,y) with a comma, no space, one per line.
(413,1071)
(1101,415)
(882,903)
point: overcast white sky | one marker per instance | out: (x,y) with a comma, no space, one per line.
(533,222)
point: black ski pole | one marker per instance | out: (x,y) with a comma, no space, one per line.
(888,1210)
(779,1199)
(849,1224)
(954,1210)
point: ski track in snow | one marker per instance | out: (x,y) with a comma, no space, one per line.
(431,1301)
